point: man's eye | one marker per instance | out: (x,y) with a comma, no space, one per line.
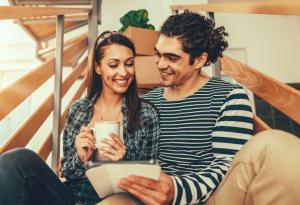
(172,58)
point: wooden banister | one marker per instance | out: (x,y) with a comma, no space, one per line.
(281,96)
(45,149)
(25,133)
(16,12)
(278,7)
(259,125)
(47,54)
(17,92)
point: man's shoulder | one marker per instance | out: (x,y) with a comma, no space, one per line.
(219,83)
(219,87)
(153,94)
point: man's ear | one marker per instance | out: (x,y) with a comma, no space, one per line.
(200,60)
(97,69)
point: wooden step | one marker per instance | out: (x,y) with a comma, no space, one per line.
(51,2)
(44,29)
(279,7)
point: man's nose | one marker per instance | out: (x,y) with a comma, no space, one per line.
(161,63)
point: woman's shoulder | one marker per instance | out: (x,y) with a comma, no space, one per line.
(80,104)
(148,109)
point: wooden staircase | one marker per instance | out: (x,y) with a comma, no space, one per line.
(42,28)
(42,15)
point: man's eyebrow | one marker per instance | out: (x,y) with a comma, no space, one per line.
(167,54)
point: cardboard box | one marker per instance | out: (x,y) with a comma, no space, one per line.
(147,75)
(143,39)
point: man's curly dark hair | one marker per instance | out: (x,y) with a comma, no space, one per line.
(198,34)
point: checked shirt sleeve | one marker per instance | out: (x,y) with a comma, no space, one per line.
(152,133)
(234,127)
(72,167)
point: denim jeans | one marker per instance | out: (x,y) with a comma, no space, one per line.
(26,179)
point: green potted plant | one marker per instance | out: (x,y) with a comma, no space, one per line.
(136,18)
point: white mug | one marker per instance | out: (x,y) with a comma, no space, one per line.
(102,130)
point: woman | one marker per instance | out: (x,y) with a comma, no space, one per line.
(111,96)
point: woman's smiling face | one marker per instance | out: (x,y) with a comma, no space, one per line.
(116,68)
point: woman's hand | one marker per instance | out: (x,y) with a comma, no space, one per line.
(113,148)
(85,144)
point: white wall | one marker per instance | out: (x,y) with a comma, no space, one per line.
(113,10)
(272,42)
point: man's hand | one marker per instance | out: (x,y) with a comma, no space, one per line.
(149,191)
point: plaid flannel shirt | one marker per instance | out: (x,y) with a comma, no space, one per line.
(141,145)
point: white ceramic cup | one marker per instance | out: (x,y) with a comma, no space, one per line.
(102,130)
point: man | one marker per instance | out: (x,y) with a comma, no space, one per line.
(204,122)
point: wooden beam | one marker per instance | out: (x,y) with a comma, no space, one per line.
(52,19)
(44,53)
(44,32)
(45,149)
(17,92)
(259,125)
(25,133)
(281,96)
(53,2)
(278,7)
(16,12)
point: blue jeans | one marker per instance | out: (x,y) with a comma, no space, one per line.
(26,179)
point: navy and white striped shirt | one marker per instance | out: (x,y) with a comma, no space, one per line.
(200,135)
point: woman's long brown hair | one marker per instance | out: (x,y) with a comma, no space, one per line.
(94,81)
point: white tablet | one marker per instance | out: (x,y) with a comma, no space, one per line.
(105,176)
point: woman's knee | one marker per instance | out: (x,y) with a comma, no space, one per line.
(18,157)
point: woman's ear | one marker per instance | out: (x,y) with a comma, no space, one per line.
(200,60)
(97,69)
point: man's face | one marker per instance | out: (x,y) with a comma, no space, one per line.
(172,62)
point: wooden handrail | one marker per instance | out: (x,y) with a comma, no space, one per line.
(49,52)
(259,125)
(281,96)
(278,7)
(45,149)
(16,93)
(25,133)
(16,12)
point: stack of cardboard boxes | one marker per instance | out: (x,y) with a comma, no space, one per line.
(147,75)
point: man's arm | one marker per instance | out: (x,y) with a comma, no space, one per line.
(233,129)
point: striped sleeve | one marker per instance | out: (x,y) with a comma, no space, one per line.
(234,127)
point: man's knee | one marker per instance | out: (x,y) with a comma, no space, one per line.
(272,140)
(275,138)
(120,199)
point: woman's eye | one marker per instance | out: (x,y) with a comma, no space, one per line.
(129,64)
(113,65)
